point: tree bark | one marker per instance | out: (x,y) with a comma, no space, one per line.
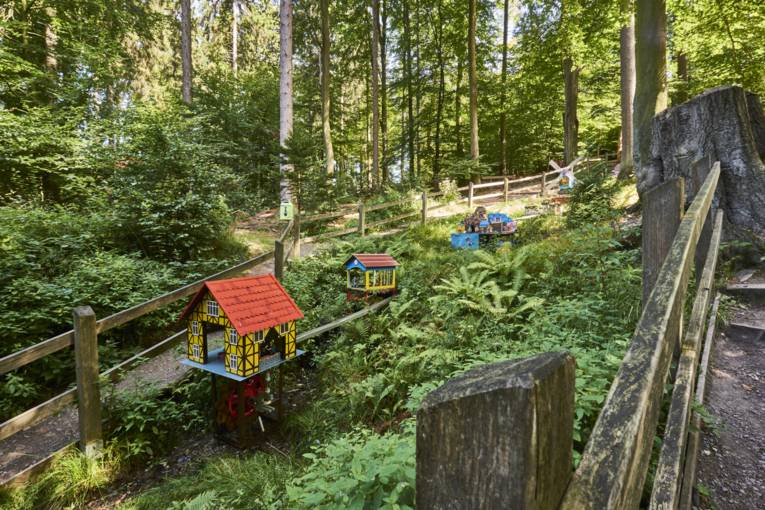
(374,85)
(326,110)
(726,125)
(627,68)
(186,51)
(285,95)
(440,95)
(474,151)
(383,94)
(503,96)
(409,93)
(235,36)
(650,65)
(570,120)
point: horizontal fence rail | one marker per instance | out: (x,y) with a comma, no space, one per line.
(613,468)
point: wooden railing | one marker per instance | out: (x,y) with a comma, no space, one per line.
(517,417)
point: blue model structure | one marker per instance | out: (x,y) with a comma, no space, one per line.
(481,228)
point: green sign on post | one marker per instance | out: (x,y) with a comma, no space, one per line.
(286,211)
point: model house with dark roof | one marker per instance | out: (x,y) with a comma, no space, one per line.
(257,318)
(373,273)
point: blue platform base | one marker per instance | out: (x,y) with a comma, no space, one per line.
(217,366)
(466,241)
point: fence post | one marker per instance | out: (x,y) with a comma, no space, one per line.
(86,366)
(470,195)
(424,207)
(362,219)
(506,187)
(498,436)
(663,208)
(278,259)
(296,237)
(543,191)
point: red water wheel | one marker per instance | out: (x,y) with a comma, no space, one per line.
(252,388)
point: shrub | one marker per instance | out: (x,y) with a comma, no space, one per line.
(360,470)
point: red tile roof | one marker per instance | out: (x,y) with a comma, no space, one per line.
(252,303)
(372,260)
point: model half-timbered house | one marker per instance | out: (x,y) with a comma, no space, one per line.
(256,316)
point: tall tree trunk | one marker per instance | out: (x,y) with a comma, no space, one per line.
(474,153)
(186,51)
(375,11)
(651,66)
(570,120)
(235,36)
(440,95)
(503,95)
(285,95)
(458,149)
(383,94)
(329,151)
(409,95)
(418,88)
(627,60)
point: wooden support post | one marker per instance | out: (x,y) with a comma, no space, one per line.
(662,212)
(362,219)
(543,190)
(296,237)
(242,423)
(470,195)
(506,187)
(280,391)
(424,207)
(278,259)
(498,436)
(88,394)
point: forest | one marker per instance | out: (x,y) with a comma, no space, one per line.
(138,136)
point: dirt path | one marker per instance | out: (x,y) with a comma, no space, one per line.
(731,469)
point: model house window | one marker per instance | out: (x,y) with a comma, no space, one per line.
(283,328)
(195,350)
(195,328)
(233,362)
(233,338)
(258,336)
(212,308)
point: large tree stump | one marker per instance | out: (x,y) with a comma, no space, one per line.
(725,124)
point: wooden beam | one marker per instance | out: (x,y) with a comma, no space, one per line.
(37,413)
(746,288)
(694,437)
(86,367)
(26,475)
(668,478)
(339,322)
(613,468)
(34,352)
(498,436)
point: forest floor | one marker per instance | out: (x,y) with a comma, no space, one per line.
(731,469)
(32,445)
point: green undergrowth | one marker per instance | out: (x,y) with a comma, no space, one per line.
(573,287)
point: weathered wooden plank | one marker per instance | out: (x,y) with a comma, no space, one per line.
(699,172)
(330,235)
(142,309)
(498,436)
(612,472)
(746,288)
(34,352)
(694,436)
(342,320)
(86,367)
(385,205)
(327,216)
(488,185)
(668,478)
(22,477)
(489,195)
(37,413)
(662,211)
(286,230)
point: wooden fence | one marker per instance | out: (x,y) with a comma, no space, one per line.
(84,335)
(501,436)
